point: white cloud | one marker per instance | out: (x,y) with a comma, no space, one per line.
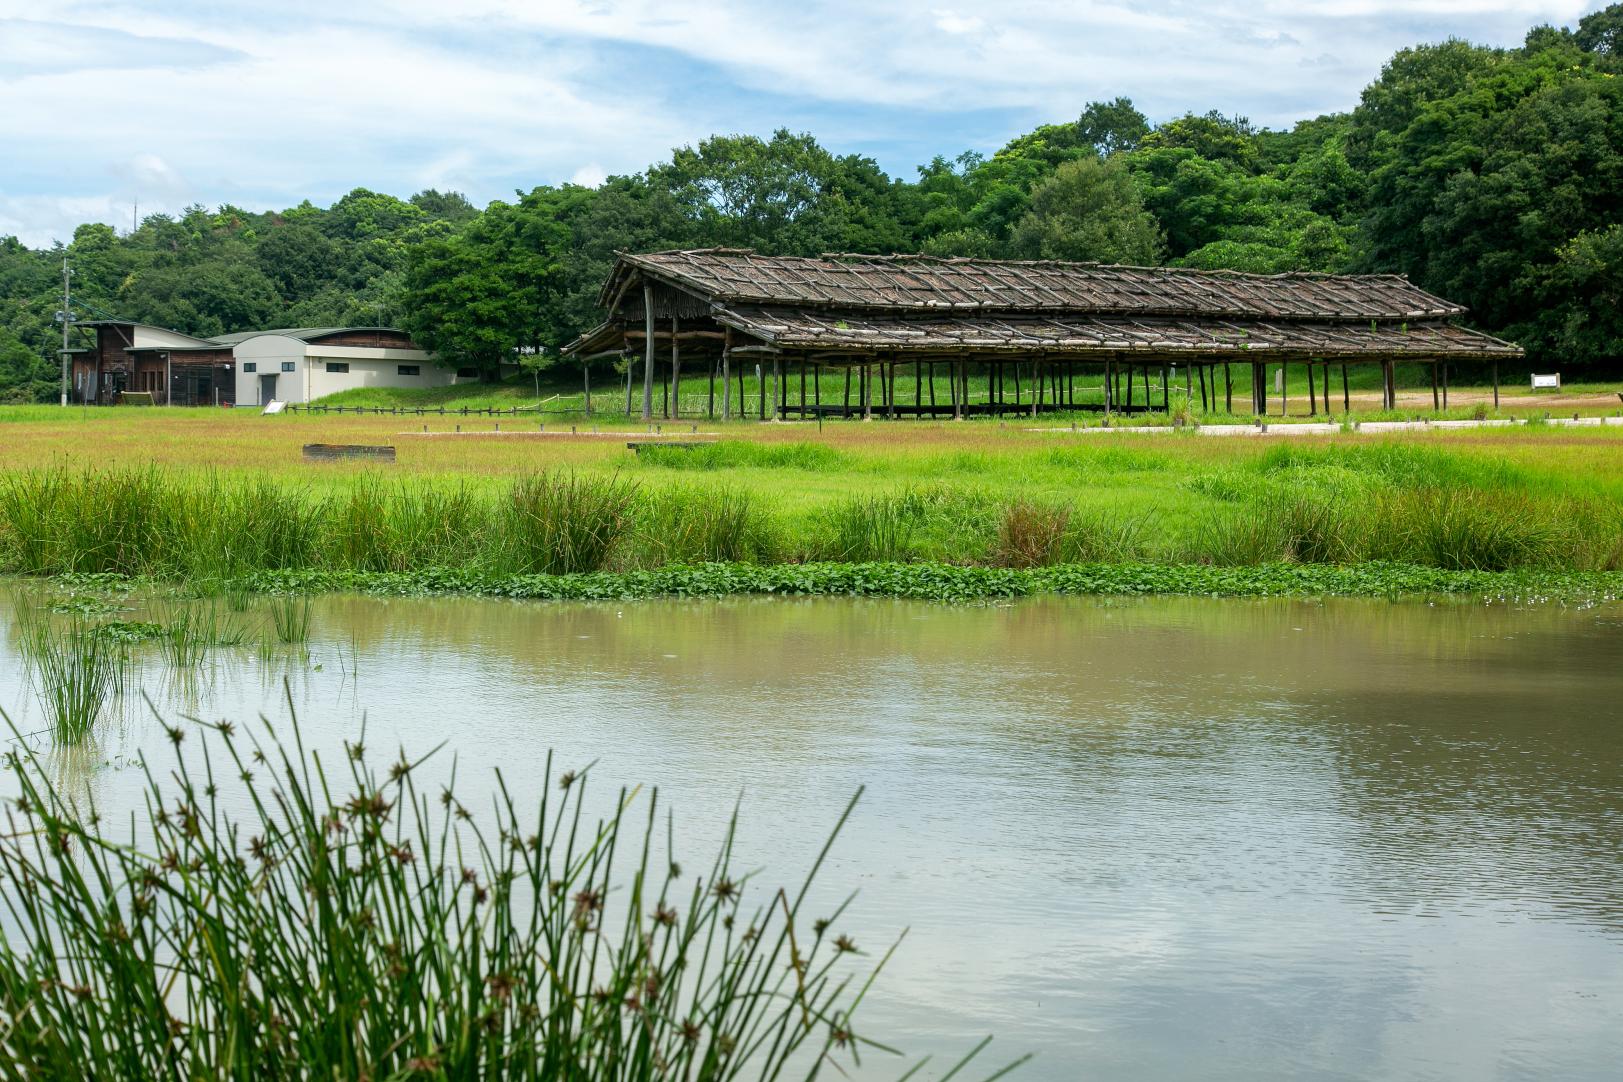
(180,102)
(951,22)
(589,175)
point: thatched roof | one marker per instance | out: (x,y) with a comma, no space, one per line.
(925,283)
(803,329)
(914,302)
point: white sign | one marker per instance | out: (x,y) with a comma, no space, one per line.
(1552,381)
(272,407)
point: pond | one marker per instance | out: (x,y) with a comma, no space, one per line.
(1156,839)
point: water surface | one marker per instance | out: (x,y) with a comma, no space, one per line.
(1152,839)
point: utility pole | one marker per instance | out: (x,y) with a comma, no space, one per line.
(66,316)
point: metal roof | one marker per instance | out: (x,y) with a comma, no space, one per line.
(304,334)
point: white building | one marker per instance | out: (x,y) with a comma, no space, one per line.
(301,364)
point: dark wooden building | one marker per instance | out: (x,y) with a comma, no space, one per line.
(910,329)
(169,366)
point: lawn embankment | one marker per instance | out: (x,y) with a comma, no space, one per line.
(991,517)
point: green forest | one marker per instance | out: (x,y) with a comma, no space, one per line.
(1491,176)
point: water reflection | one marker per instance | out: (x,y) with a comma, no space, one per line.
(1149,839)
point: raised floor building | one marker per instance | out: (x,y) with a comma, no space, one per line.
(902,324)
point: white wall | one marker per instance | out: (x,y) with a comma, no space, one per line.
(267,353)
(309,379)
(373,371)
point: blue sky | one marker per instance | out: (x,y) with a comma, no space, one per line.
(104,104)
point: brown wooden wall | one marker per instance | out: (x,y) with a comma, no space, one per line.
(374,339)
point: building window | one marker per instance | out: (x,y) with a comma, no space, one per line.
(467,373)
(287,366)
(250,366)
(338,366)
(408,370)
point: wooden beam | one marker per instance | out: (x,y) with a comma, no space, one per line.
(648,353)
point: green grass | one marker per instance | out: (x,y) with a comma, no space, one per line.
(270,917)
(1397,502)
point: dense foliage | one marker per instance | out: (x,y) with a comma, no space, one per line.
(1492,176)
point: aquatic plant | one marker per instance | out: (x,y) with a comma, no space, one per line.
(77,667)
(290,617)
(369,923)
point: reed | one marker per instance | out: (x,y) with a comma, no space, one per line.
(77,667)
(189,631)
(562,523)
(290,617)
(367,923)
(1031,535)
(688,525)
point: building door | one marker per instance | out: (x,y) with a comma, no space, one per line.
(267,389)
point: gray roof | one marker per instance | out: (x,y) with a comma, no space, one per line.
(304,334)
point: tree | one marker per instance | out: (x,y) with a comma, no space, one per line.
(1602,31)
(298,259)
(1090,211)
(1580,314)
(438,206)
(1212,136)
(1112,126)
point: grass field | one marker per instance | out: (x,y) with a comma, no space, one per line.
(561,390)
(968,493)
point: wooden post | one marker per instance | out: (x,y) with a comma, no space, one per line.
(817,387)
(1312,392)
(710,406)
(1327,388)
(1166,389)
(957,390)
(777,387)
(1435,402)
(727,376)
(626,356)
(676,372)
(802,388)
(867,390)
(1496,383)
(1016,384)
(760,374)
(845,408)
(586,374)
(1228,389)
(648,352)
(932,390)
(1109,377)
(1444,365)
(1346,390)
(1037,388)
(890,387)
(918,388)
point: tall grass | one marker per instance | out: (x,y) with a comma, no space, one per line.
(564,523)
(78,669)
(290,617)
(368,924)
(697,525)
(1391,502)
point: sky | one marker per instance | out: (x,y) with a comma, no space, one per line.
(106,106)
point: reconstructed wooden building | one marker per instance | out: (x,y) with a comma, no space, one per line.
(901,325)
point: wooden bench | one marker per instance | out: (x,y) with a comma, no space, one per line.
(686,445)
(327,452)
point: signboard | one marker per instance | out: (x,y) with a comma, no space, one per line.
(272,407)
(1551,381)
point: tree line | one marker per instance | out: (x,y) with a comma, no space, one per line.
(1491,176)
